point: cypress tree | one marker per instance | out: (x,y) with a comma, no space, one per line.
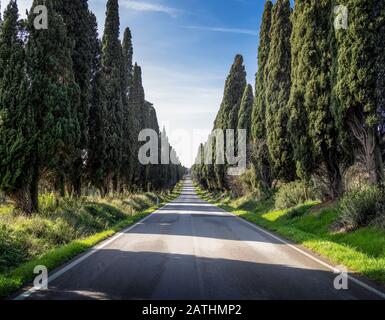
(312,126)
(244,116)
(53,96)
(128,53)
(17,129)
(129,140)
(227,117)
(259,150)
(112,66)
(97,150)
(78,21)
(153,169)
(360,83)
(259,108)
(277,92)
(137,105)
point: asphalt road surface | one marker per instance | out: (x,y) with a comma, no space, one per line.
(193,250)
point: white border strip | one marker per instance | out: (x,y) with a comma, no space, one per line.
(92,251)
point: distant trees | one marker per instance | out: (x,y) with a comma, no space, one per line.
(71,107)
(319,97)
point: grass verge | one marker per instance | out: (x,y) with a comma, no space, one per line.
(361,251)
(14,278)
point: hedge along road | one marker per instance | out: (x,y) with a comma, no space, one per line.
(191,249)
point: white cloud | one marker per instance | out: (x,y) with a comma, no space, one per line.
(224,30)
(149,7)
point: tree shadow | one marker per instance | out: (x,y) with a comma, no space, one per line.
(125,275)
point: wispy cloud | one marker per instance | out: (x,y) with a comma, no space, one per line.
(149,7)
(224,30)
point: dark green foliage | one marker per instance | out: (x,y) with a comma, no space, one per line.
(17,129)
(277,92)
(137,105)
(312,125)
(97,124)
(244,116)
(259,109)
(227,117)
(259,153)
(112,66)
(128,138)
(128,52)
(53,95)
(79,25)
(360,89)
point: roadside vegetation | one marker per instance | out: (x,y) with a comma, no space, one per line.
(63,229)
(349,232)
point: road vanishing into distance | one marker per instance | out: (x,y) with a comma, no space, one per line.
(191,249)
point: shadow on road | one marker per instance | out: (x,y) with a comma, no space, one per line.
(115,274)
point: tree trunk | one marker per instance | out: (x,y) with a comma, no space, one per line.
(374,162)
(22,199)
(34,189)
(77,178)
(334,177)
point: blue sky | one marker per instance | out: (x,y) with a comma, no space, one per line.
(185,48)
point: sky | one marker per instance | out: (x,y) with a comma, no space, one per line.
(185,49)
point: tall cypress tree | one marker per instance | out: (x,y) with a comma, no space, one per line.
(153,171)
(137,105)
(227,117)
(53,96)
(259,150)
(97,149)
(277,92)
(259,108)
(78,21)
(128,53)
(112,65)
(17,130)
(312,125)
(128,140)
(360,83)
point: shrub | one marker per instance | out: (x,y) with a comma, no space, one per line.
(251,186)
(292,194)
(361,207)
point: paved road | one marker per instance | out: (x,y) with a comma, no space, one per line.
(193,250)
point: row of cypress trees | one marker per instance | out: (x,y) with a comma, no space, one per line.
(72,106)
(319,96)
